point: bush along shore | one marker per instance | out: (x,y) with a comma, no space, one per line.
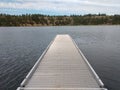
(46,20)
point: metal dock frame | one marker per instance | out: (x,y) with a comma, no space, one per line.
(29,75)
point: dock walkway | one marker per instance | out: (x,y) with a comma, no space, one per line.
(62,66)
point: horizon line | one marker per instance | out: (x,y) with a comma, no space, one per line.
(60,14)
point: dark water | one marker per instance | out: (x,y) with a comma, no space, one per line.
(20,47)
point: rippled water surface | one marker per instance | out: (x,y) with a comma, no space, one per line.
(20,47)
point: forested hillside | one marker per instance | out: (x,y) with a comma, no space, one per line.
(46,20)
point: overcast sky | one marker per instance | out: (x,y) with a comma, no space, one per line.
(60,7)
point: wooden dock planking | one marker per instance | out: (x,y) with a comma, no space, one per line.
(62,67)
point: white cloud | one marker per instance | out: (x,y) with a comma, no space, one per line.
(70,6)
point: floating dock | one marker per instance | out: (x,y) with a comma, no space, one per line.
(62,66)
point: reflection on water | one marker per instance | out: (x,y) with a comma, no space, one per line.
(20,47)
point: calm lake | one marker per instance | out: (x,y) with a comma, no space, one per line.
(20,47)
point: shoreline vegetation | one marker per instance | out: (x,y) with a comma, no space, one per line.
(46,20)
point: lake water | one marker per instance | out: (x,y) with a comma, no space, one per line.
(20,47)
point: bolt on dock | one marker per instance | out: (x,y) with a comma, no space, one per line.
(62,66)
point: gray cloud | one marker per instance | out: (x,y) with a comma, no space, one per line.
(66,6)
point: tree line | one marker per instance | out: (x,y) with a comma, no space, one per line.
(46,20)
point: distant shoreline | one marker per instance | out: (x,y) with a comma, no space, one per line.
(60,26)
(33,20)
